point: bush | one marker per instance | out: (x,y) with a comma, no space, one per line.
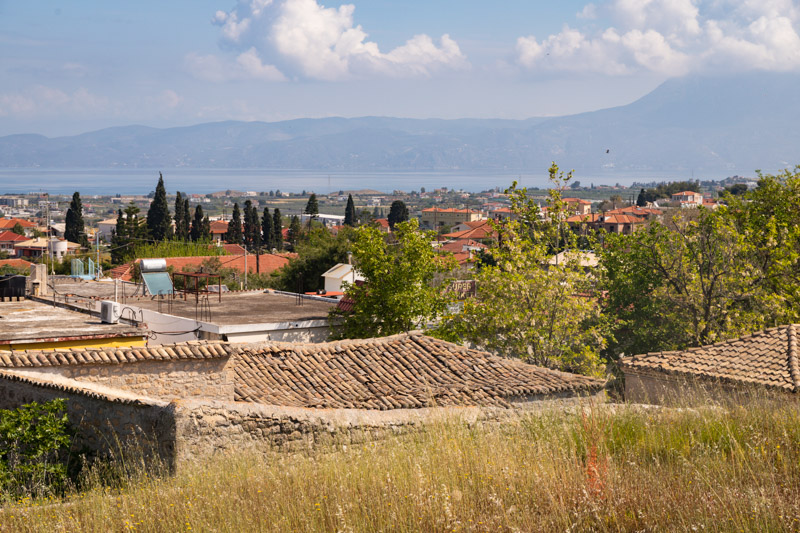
(34,443)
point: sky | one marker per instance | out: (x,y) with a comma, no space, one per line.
(71,67)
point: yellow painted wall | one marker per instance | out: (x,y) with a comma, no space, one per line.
(112,342)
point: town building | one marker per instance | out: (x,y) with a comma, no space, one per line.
(688,198)
(45,247)
(436,217)
(7,241)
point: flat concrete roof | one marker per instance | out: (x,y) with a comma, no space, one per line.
(32,321)
(243,308)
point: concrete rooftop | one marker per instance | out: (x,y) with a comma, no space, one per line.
(244,308)
(31,321)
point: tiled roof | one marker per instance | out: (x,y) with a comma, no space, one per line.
(8,223)
(112,356)
(233,249)
(10,236)
(457,246)
(401,371)
(73,387)
(768,358)
(266,262)
(16,263)
(219,226)
(449,210)
(482,231)
(576,201)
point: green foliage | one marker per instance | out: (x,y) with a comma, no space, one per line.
(201,226)
(277,229)
(252,227)
(312,207)
(34,441)
(267,233)
(398,212)
(181,218)
(234,234)
(144,250)
(350,212)
(398,294)
(159,221)
(318,251)
(547,316)
(129,231)
(18,229)
(666,190)
(295,231)
(74,230)
(692,282)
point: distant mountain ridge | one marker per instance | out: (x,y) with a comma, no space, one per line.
(720,124)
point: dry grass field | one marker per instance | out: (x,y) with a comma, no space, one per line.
(604,469)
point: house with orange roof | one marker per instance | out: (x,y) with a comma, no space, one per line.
(688,198)
(7,224)
(477,231)
(577,206)
(7,241)
(218,230)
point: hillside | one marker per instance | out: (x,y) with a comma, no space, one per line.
(712,124)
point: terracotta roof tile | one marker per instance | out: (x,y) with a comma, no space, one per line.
(401,371)
(768,358)
(82,356)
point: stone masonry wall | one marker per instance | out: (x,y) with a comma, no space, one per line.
(105,426)
(192,378)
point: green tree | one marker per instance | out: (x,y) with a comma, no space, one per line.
(181,229)
(350,212)
(201,227)
(159,221)
(267,233)
(18,229)
(295,230)
(130,229)
(252,227)
(317,252)
(398,212)
(545,314)
(74,230)
(277,228)
(312,207)
(234,234)
(398,294)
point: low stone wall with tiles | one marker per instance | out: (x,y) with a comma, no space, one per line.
(191,378)
(204,429)
(107,424)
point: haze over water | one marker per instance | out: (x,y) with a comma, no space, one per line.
(202,181)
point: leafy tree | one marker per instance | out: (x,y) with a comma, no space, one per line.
(159,221)
(234,234)
(350,212)
(74,230)
(18,229)
(267,233)
(181,229)
(641,200)
(277,228)
(737,189)
(318,251)
(295,230)
(35,440)
(252,226)
(130,229)
(547,315)
(312,207)
(187,218)
(398,294)
(398,212)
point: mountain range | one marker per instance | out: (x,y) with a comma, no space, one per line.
(711,124)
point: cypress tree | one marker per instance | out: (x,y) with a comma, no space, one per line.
(350,212)
(205,236)
(197,224)
(267,233)
(234,233)
(187,218)
(159,221)
(277,229)
(312,207)
(252,226)
(74,230)
(294,230)
(397,213)
(181,232)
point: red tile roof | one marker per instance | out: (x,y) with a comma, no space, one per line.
(8,223)
(448,210)
(576,201)
(219,227)
(266,263)
(16,263)
(458,245)
(480,231)
(769,358)
(233,249)
(10,236)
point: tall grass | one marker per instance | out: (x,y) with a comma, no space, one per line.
(599,469)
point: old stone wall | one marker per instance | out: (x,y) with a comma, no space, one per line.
(106,425)
(190,378)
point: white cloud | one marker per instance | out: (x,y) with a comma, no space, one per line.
(672,37)
(302,38)
(43,100)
